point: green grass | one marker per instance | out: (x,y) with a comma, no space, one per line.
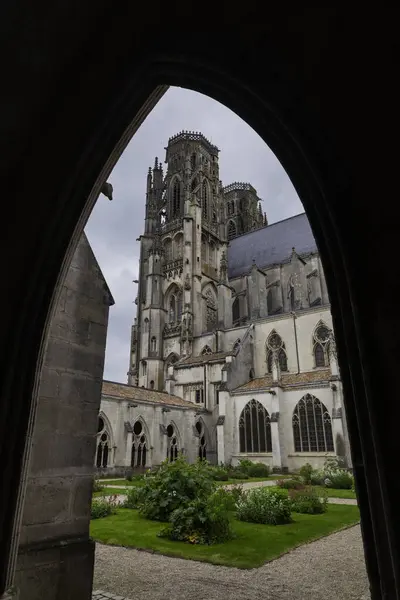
(335,493)
(109,492)
(253,545)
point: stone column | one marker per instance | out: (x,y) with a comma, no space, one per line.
(128,454)
(220,440)
(275,435)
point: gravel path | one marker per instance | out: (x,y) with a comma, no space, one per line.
(328,569)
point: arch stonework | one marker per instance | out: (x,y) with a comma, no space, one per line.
(302,120)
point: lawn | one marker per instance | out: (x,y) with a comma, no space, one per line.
(109,492)
(253,545)
(335,493)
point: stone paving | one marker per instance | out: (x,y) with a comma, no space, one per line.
(100,595)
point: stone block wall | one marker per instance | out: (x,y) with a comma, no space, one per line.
(55,548)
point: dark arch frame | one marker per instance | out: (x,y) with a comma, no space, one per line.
(275,105)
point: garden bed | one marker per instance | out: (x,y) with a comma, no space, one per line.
(252,546)
(125,482)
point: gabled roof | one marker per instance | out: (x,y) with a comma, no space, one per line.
(270,245)
(122,391)
(288,380)
(203,358)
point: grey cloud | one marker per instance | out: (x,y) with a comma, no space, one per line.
(114,226)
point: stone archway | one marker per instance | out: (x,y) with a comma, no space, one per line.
(295,106)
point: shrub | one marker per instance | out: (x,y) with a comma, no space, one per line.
(305,473)
(219,473)
(317,477)
(244,465)
(97,487)
(201,521)
(237,475)
(258,470)
(229,497)
(308,501)
(290,484)
(263,505)
(341,480)
(133,497)
(174,485)
(103,507)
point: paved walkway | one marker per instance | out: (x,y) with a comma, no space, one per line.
(328,569)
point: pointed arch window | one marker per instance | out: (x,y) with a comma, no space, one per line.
(231,230)
(173,446)
(103,445)
(175,306)
(176,198)
(235,311)
(322,336)
(202,440)
(146,325)
(276,344)
(255,429)
(194,184)
(211,310)
(312,426)
(139,446)
(153,344)
(172,309)
(204,200)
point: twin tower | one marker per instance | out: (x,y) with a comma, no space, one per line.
(184,291)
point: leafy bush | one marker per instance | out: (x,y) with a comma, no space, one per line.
(308,501)
(219,473)
(290,484)
(253,469)
(103,507)
(237,475)
(340,480)
(201,521)
(133,497)
(317,477)
(97,487)
(229,497)
(258,470)
(174,485)
(263,505)
(305,473)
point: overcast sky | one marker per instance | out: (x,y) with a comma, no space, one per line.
(114,226)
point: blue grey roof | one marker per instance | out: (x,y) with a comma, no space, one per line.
(270,245)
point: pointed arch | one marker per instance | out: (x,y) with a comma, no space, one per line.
(255,429)
(175,197)
(168,249)
(173,303)
(203,438)
(276,344)
(312,426)
(210,307)
(320,344)
(204,198)
(232,232)
(140,444)
(104,442)
(177,245)
(174,444)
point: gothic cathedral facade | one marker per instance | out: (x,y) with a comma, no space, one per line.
(232,349)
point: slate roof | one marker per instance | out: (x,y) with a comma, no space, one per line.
(123,391)
(287,380)
(270,245)
(204,358)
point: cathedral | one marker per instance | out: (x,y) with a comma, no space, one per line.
(232,350)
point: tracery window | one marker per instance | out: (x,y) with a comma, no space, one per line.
(204,200)
(322,335)
(175,306)
(176,198)
(139,446)
(255,428)
(211,310)
(103,445)
(276,344)
(312,426)
(173,446)
(206,350)
(202,440)
(231,230)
